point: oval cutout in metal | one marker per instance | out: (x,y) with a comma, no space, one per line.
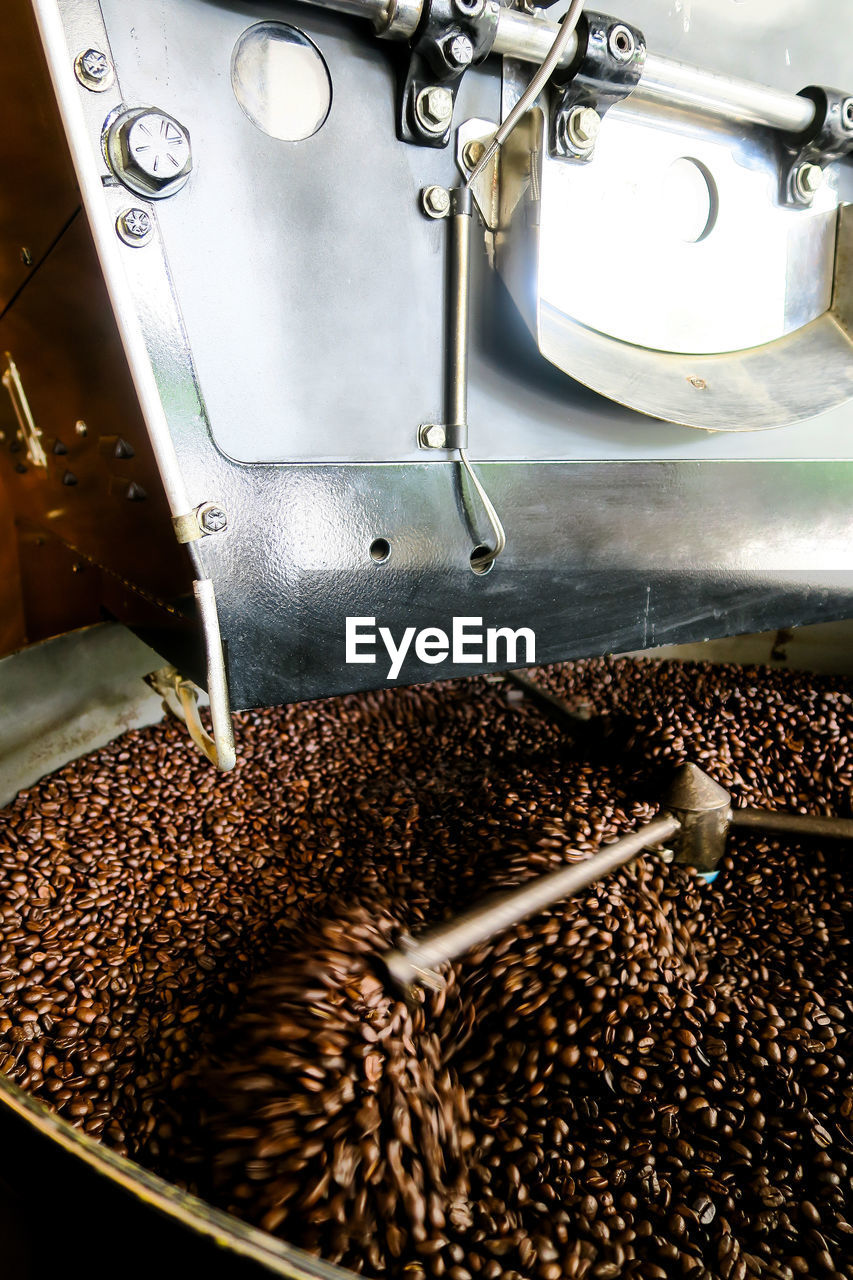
(281,81)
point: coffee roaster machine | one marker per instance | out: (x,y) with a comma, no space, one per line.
(287,340)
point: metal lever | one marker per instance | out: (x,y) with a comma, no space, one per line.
(417,960)
(21,406)
(698,811)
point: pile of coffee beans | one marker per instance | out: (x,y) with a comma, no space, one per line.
(651,1080)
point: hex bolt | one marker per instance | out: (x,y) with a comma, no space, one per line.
(459,50)
(94,70)
(435,202)
(149,151)
(432,437)
(584,126)
(434,108)
(135,227)
(809,180)
(211,518)
(472,153)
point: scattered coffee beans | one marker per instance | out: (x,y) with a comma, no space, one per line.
(652,1080)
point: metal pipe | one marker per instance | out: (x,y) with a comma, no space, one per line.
(529,38)
(418,960)
(665,80)
(674,83)
(459,301)
(804,824)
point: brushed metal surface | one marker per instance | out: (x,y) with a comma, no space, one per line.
(279,248)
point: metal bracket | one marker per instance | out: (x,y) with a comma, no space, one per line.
(29,432)
(805,155)
(180,696)
(451,36)
(434,435)
(608,67)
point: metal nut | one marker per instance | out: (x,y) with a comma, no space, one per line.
(435,202)
(94,70)
(809,180)
(459,50)
(135,227)
(211,518)
(584,125)
(434,108)
(150,152)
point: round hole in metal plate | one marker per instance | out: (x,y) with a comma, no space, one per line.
(281,81)
(688,201)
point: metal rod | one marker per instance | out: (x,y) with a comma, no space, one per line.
(459,294)
(550,704)
(676,84)
(418,960)
(794,823)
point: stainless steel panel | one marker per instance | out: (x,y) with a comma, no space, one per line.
(280,249)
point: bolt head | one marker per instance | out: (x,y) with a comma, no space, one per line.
(585,125)
(436,201)
(94,70)
(473,152)
(809,180)
(134,225)
(460,51)
(158,147)
(212,519)
(433,437)
(435,107)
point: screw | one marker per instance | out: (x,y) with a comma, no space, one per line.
(459,51)
(93,70)
(621,43)
(584,125)
(134,227)
(211,519)
(436,202)
(472,153)
(434,108)
(80,428)
(808,180)
(432,437)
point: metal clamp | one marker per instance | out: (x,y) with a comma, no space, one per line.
(805,155)
(30,434)
(452,36)
(607,68)
(180,696)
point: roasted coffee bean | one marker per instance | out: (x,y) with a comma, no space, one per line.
(648,1080)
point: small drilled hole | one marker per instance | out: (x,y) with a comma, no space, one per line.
(480,562)
(380,550)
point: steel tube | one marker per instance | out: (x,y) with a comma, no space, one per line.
(459,302)
(417,961)
(666,80)
(804,824)
(674,83)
